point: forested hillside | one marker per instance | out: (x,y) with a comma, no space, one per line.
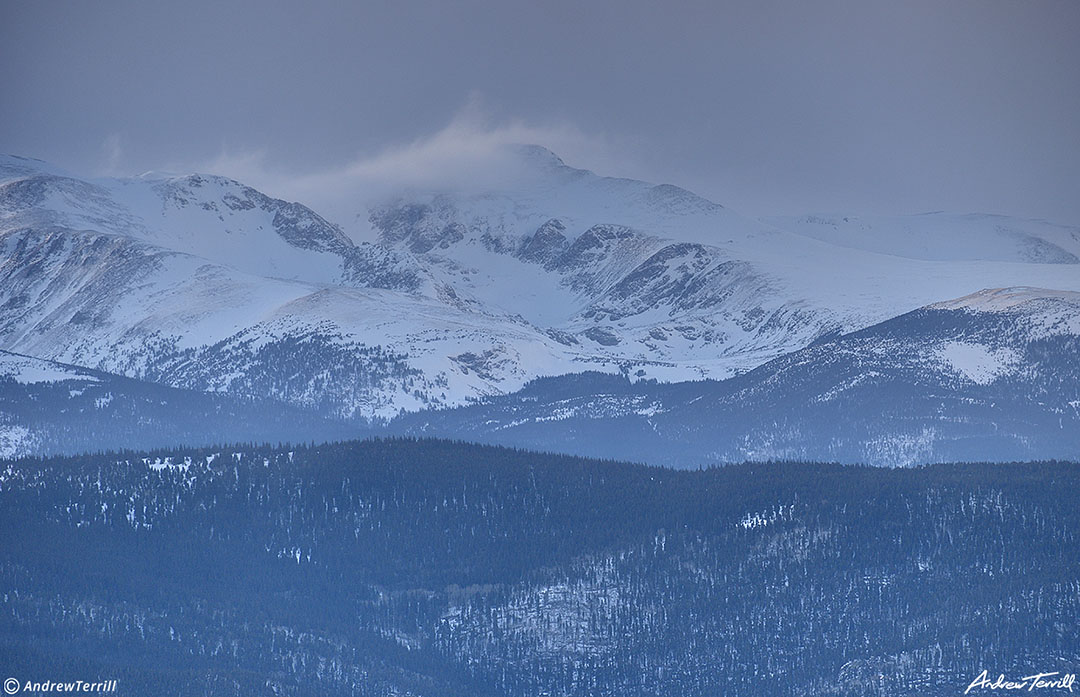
(437,568)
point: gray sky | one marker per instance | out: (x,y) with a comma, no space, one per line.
(765,106)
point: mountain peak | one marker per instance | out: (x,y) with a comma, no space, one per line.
(535,155)
(1007,299)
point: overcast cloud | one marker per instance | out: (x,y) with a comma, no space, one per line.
(764,106)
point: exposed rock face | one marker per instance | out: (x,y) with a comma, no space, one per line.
(546,244)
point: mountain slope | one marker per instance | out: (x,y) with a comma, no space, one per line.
(989,376)
(49,408)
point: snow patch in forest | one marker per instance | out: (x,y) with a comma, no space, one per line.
(979,363)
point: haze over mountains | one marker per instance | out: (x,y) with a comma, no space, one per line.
(812,325)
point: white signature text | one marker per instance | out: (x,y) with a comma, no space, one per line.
(1027,683)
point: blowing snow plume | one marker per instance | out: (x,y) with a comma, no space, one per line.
(470,155)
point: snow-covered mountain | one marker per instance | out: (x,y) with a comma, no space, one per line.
(992,376)
(687,288)
(201,283)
